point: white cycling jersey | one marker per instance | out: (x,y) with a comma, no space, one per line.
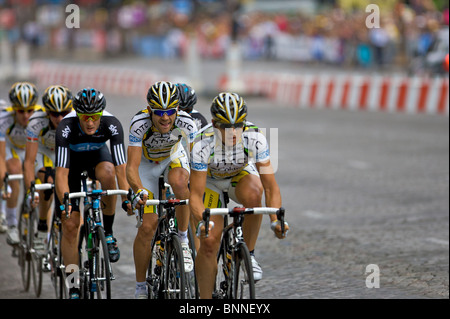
(209,154)
(157,147)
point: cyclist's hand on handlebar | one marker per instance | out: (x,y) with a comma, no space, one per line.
(140,198)
(32,202)
(276,227)
(201,229)
(8,192)
(126,206)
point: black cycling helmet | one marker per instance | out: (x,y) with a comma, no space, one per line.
(228,108)
(163,95)
(23,95)
(89,101)
(57,98)
(187,96)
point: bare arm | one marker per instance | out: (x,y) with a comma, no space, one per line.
(121,174)
(31,150)
(61,182)
(197,189)
(272,192)
(132,168)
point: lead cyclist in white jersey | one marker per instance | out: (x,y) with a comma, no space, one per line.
(157,135)
(230,154)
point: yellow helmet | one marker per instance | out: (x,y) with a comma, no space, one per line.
(229,108)
(163,95)
(57,98)
(23,95)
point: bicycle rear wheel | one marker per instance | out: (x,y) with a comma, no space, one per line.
(243,282)
(101,267)
(174,278)
(24,244)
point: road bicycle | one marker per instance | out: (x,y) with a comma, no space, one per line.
(166,278)
(234,278)
(30,258)
(95,272)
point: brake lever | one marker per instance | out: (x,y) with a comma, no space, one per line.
(206,217)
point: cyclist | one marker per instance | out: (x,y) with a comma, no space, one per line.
(40,151)
(230,154)
(81,146)
(188,99)
(13,123)
(157,135)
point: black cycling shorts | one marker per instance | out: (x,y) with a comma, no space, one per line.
(80,162)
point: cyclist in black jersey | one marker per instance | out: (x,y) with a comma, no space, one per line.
(81,146)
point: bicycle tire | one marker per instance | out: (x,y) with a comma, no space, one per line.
(35,257)
(224,277)
(83,264)
(55,258)
(243,282)
(155,267)
(174,275)
(24,255)
(101,267)
(192,291)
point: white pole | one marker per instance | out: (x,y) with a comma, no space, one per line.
(6,61)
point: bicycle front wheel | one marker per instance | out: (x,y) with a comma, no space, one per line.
(55,260)
(24,244)
(36,257)
(101,267)
(174,278)
(243,282)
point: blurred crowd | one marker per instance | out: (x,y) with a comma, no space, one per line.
(333,35)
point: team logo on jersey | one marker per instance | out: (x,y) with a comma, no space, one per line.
(66,131)
(113,130)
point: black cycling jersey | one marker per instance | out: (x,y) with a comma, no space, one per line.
(81,152)
(199,119)
(71,140)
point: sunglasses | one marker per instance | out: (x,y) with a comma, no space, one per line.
(90,117)
(226,125)
(161,113)
(58,114)
(21,111)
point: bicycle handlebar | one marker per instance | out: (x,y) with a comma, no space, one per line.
(236,211)
(100,192)
(43,187)
(167,202)
(13,177)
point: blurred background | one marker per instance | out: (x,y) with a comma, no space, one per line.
(412,37)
